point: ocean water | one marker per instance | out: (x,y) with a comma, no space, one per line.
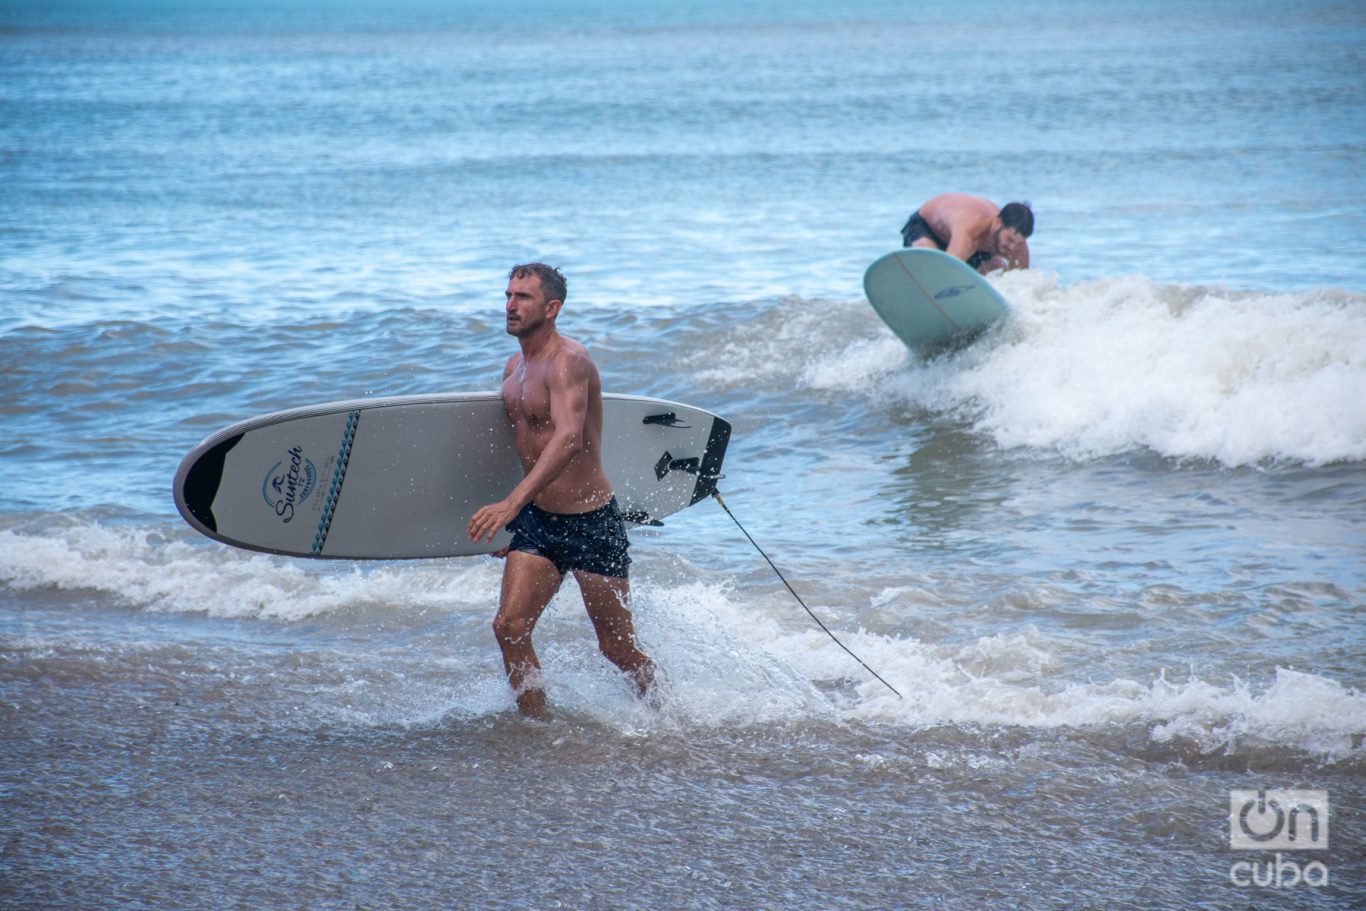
(1112,555)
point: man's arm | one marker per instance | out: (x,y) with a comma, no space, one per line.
(568,382)
(966,231)
(1006,263)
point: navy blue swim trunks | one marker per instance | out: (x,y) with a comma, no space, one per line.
(594,541)
(917,227)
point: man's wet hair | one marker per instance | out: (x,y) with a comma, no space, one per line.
(553,285)
(1019,216)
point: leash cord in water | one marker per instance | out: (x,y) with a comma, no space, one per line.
(717,495)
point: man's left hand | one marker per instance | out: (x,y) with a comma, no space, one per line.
(486,522)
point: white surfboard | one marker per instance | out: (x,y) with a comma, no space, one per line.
(931,300)
(400,477)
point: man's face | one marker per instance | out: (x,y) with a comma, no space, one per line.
(1009,242)
(526,307)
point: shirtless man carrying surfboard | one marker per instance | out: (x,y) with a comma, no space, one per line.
(563,515)
(974,230)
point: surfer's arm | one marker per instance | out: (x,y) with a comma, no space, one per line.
(568,382)
(964,235)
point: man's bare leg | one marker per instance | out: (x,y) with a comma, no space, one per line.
(606,599)
(529,582)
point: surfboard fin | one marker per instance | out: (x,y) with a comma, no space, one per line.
(668,463)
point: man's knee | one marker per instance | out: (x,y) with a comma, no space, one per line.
(511,630)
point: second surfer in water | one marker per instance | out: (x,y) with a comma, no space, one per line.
(974,230)
(563,514)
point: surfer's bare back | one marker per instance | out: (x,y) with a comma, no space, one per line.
(563,515)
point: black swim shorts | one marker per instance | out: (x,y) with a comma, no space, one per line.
(594,542)
(917,227)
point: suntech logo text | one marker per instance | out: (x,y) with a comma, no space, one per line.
(288,483)
(1278,820)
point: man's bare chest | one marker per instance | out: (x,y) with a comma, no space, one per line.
(527,400)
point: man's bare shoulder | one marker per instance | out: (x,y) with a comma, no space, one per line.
(571,361)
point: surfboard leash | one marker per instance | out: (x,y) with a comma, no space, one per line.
(717,495)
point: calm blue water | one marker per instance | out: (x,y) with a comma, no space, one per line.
(1113,555)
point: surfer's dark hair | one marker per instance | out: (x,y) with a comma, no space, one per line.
(553,285)
(1019,216)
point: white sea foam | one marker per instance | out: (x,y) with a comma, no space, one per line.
(824,334)
(1302,711)
(727,658)
(141,569)
(1015,680)
(1116,365)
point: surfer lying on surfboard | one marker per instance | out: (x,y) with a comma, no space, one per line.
(974,230)
(563,514)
